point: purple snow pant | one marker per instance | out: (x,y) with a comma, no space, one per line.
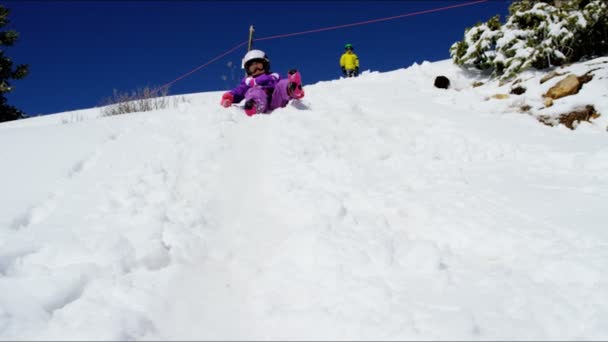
(280,98)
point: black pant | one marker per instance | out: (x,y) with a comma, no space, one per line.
(351,73)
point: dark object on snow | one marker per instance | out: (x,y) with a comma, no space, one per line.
(518,90)
(442,82)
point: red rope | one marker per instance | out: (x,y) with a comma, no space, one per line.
(200,66)
(371,21)
(318,30)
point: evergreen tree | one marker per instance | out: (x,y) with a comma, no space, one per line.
(7,71)
(537,34)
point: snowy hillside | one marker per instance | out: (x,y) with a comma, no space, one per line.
(377,208)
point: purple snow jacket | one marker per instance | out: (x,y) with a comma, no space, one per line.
(268,90)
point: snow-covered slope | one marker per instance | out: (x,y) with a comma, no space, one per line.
(377,208)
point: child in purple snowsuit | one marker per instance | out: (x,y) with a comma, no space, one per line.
(262,90)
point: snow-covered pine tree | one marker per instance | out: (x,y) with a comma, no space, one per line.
(537,34)
(479,44)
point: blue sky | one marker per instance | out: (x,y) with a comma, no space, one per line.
(79,51)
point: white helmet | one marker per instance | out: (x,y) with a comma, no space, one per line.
(256,54)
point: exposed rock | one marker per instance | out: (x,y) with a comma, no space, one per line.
(477,84)
(571,119)
(518,90)
(525,108)
(500,96)
(442,82)
(585,78)
(568,86)
(548,101)
(585,114)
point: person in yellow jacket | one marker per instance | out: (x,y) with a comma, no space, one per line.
(349,62)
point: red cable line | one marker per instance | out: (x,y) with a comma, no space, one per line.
(317,30)
(200,66)
(371,21)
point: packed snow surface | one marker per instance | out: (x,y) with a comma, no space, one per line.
(378,207)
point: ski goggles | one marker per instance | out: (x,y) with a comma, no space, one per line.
(255,65)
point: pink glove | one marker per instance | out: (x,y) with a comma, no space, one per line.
(227,99)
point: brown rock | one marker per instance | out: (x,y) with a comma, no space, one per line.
(568,86)
(584,114)
(585,78)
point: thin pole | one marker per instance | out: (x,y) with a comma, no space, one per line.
(251,30)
